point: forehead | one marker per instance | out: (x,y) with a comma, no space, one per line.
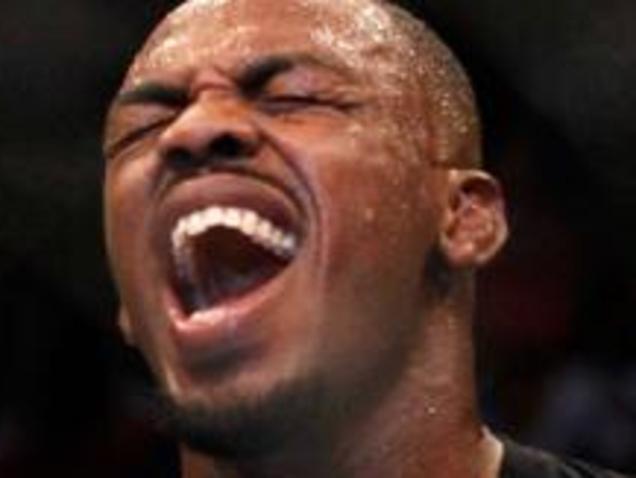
(226,33)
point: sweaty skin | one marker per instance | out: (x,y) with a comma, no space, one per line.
(351,125)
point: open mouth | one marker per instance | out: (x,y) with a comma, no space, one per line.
(223,253)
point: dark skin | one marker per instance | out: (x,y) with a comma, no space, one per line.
(328,133)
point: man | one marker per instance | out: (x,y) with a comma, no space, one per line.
(294,213)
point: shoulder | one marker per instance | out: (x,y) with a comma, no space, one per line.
(525,462)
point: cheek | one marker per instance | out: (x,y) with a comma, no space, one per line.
(372,200)
(367,183)
(374,229)
(128,190)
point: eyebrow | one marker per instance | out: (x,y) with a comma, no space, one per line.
(153,92)
(256,75)
(250,80)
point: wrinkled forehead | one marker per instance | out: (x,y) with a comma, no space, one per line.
(355,33)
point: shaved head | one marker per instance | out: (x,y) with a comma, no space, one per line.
(452,117)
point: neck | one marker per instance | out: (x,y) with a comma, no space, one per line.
(427,425)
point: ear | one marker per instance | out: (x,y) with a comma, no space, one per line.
(125,326)
(474,226)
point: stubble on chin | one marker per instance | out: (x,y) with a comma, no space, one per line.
(246,428)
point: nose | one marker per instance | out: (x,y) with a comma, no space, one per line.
(211,132)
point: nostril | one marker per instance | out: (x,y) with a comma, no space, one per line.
(227,147)
(180,159)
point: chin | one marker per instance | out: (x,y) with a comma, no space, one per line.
(239,423)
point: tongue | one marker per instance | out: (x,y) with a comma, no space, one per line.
(228,265)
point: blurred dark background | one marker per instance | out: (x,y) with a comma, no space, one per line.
(555,81)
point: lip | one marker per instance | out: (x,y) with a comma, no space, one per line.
(232,326)
(266,197)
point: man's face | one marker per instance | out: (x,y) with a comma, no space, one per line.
(269,215)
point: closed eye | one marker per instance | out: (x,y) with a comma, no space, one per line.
(281,104)
(287,103)
(134,135)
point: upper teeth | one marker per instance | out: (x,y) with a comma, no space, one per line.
(248,222)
